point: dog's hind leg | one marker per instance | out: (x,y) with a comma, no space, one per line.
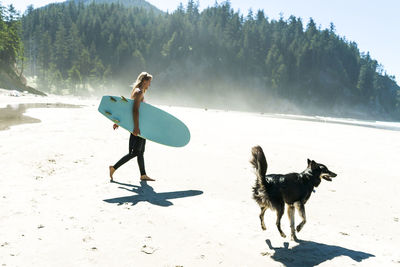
(302,212)
(290,212)
(280,208)
(263,209)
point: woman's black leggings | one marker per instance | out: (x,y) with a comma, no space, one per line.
(136,149)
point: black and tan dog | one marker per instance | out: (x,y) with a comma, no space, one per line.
(294,189)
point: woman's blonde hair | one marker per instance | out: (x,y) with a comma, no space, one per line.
(143,76)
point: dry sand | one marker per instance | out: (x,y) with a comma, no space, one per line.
(59,209)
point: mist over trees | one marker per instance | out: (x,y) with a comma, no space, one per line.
(216,58)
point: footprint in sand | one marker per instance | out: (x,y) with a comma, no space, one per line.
(266,253)
(148,248)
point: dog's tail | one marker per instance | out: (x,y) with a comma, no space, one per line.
(259,162)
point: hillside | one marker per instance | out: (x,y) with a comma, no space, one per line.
(9,79)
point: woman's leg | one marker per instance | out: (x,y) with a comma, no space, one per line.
(125,158)
(136,148)
(141,144)
(128,156)
(140,161)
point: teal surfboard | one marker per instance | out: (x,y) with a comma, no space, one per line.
(155,124)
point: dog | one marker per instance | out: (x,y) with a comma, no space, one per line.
(294,189)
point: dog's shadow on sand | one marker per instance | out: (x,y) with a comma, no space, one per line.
(309,253)
(146,193)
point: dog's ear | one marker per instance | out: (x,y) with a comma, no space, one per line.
(311,164)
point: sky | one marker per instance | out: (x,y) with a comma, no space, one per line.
(373,25)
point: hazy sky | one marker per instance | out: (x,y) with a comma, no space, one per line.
(373,25)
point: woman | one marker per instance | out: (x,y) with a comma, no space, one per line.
(136,143)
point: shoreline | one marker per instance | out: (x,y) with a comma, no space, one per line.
(65,101)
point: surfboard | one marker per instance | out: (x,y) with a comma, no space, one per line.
(155,124)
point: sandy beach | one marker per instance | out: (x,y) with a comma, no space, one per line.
(58,207)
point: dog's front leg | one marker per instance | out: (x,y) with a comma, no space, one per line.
(302,212)
(290,212)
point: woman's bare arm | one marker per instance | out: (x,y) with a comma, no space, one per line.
(137,96)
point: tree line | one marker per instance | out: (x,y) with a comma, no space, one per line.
(205,56)
(11,47)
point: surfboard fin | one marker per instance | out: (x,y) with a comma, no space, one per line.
(113,99)
(124,99)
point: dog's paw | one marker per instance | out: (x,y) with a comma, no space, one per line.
(300,226)
(294,238)
(283,235)
(263,227)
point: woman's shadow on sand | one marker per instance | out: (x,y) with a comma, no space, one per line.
(309,253)
(146,193)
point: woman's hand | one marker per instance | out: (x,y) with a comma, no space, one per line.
(115,126)
(136,131)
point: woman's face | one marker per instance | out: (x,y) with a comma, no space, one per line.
(146,84)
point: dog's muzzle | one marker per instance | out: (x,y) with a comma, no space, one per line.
(328,176)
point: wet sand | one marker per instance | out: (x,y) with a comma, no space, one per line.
(14,114)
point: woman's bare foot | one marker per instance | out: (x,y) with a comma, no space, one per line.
(146,178)
(112,170)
